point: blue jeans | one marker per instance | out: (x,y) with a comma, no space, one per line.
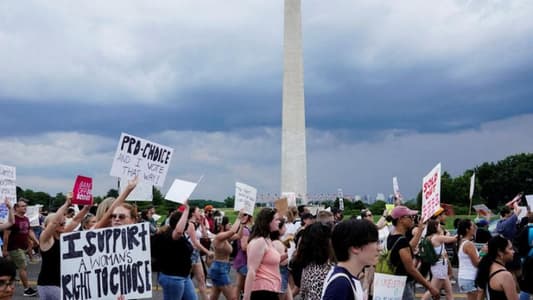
(177,287)
(524,296)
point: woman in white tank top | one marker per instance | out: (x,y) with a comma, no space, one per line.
(468,259)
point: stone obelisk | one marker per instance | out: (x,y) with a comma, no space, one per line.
(293,146)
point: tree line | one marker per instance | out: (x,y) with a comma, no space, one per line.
(496,183)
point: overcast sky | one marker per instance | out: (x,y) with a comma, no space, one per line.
(391,89)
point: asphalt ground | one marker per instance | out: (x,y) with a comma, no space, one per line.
(34,269)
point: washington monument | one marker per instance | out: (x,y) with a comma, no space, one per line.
(293,147)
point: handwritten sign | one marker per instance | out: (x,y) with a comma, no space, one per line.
(431,193)
(180,191)
(106,263)
(388,287)
(291,198)
(139,157)
(245,197)
(8,187)
(83,191)
(142,192)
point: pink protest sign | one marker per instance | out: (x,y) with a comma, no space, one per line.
(431,193)
(83,191)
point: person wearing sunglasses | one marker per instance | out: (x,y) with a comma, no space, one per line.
(119,212)
(49,280)
(8,271)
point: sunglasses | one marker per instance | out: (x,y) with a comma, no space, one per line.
(120,216)
(61,224)
(6,283)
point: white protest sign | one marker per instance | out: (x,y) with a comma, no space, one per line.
(106,263)
(142,192)
(8,188)
(139,157)
(389,287)
(529,199)
(32,212)
(396,188)
(431,193)
(180,191)
(245,197)
(472,184)
(291,198)
(482,210)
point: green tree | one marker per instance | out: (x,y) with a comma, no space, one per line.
(229,201)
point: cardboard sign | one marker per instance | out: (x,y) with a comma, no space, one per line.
(482,210)
(389,287)
(282,206)
(106,263)
(8,188)
(431,193)
(83,191)
(472,185)
(142,192)
(291,198)
(529,199)
(139,157)
(180,191)
(245,197)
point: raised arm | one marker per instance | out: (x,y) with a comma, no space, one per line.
(48,233)
(182,222)
(106,218)
(10,216)
(234,230)
(77,218)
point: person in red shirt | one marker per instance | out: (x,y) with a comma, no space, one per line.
(16,243)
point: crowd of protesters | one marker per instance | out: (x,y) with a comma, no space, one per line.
(297,254)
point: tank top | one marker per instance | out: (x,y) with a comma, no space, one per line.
(493,294)
(50,266)
(267,276)
(466,269)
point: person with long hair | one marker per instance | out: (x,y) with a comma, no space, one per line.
(119,213)
(439,270)
(239,262)
(48,282)
(263,280)
(194,231)
(173,252)
(492,276)
(468,257)
(315,256)
(220,268)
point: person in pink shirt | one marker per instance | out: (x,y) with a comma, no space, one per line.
(263,280)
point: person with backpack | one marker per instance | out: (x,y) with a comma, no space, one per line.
(525,251)
(355,243)
(401,253)
(436,256)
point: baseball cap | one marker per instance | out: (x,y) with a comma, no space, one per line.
(208,207)
(439,211)
(482,223)
(400,211)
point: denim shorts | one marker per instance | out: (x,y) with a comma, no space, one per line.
(243,270)
(195,256)
(466,285)
(219,273)
(284,271)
